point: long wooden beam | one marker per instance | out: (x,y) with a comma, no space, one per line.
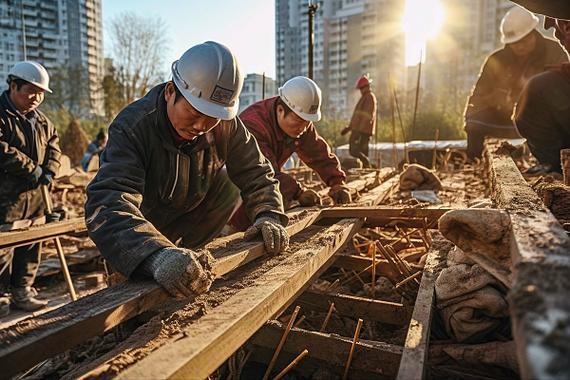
(391,313)
(42,232)
(540,251)
(379,358)
(416,347)
(217,335)
(35,339)
(381,216)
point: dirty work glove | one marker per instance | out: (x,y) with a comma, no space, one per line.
(340,194)
(275,237)
(309,197)
(345,131)
(182,272)
(46,178)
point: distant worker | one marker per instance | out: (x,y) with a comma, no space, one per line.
(29,158)
(542,115)
(504,74)
(163,190)
(363,122)
(94,149)
(283,125)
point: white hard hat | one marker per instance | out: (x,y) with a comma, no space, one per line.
(303,96)
(517,23)
(209,78)
(31,72)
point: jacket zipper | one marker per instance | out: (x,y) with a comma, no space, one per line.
(175,177)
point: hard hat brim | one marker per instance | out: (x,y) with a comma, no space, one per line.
(38,85)
(207,107)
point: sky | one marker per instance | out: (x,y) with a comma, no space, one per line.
(247,27)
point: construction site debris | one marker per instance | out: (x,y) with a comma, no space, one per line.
(556,196)
(418,177)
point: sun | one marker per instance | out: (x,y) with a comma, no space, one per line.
(421,22)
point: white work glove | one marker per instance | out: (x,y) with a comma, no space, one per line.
(275,236)
(182,272)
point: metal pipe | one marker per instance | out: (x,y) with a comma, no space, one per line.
(312,9)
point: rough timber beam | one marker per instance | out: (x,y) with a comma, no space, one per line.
(414,357)
(35,339)
(208,342)
(381,216)
(375,359)
(42,232)
(540,251)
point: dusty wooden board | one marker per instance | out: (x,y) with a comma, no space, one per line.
(381,216)
(218,334)
(379,358)
(416,346)
(540,251)
(359,307)
(43,232)
(35,339)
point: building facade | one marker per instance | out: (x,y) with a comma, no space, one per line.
(66,36)
(351,38)
(253,90)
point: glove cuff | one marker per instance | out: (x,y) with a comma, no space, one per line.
(151,264)
(267,217)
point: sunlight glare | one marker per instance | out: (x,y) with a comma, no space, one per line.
(422,21)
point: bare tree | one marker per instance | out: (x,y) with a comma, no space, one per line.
(138,45)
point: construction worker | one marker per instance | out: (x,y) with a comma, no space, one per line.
(164,187)
(554,8)
(282,126)
(94,149)
(363,122)
(29,158)
(503,75)
(543,113)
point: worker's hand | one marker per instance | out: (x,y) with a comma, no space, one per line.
(345,131)
(182,272)
(34,177)
(275,236)
(340,194)
(309,197)
(46,178)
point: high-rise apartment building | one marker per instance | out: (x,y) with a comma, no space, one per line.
(253,90)
(351,38)
(65,36)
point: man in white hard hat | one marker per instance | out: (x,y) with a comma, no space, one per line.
(163,191)
(283,125)
(542,114)
(29,157)
(363,121)
(503,75)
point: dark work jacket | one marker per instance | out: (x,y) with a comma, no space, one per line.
(25,143)
(261,120)
(364,116)
(146,182)
(504,76)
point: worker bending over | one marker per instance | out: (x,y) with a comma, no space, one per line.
(29,158)
(503,76)
(163,190)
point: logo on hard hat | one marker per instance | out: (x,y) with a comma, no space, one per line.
(222,95)
(313,108)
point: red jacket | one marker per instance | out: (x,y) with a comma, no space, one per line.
(364,116)
(261,120)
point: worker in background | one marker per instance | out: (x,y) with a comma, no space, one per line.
(164,188)
(543,113)
(29,158)
(503,76)
(94,149)
(363,122)
(283,125)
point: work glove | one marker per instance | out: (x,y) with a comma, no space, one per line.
(309,197)
(340,194)
(182,272)
(46,178)
(275,236)
(345,131)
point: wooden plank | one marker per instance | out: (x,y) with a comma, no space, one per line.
(540,253)
(368,309)
(382,216)
(370,356)
(218,334)
(40,233)
(414,357)
(35,339)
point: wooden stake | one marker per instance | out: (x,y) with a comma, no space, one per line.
(354,341)
(406,280)
(372,251)
(292,364)
(299,321)
(327,318)
(281,343)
